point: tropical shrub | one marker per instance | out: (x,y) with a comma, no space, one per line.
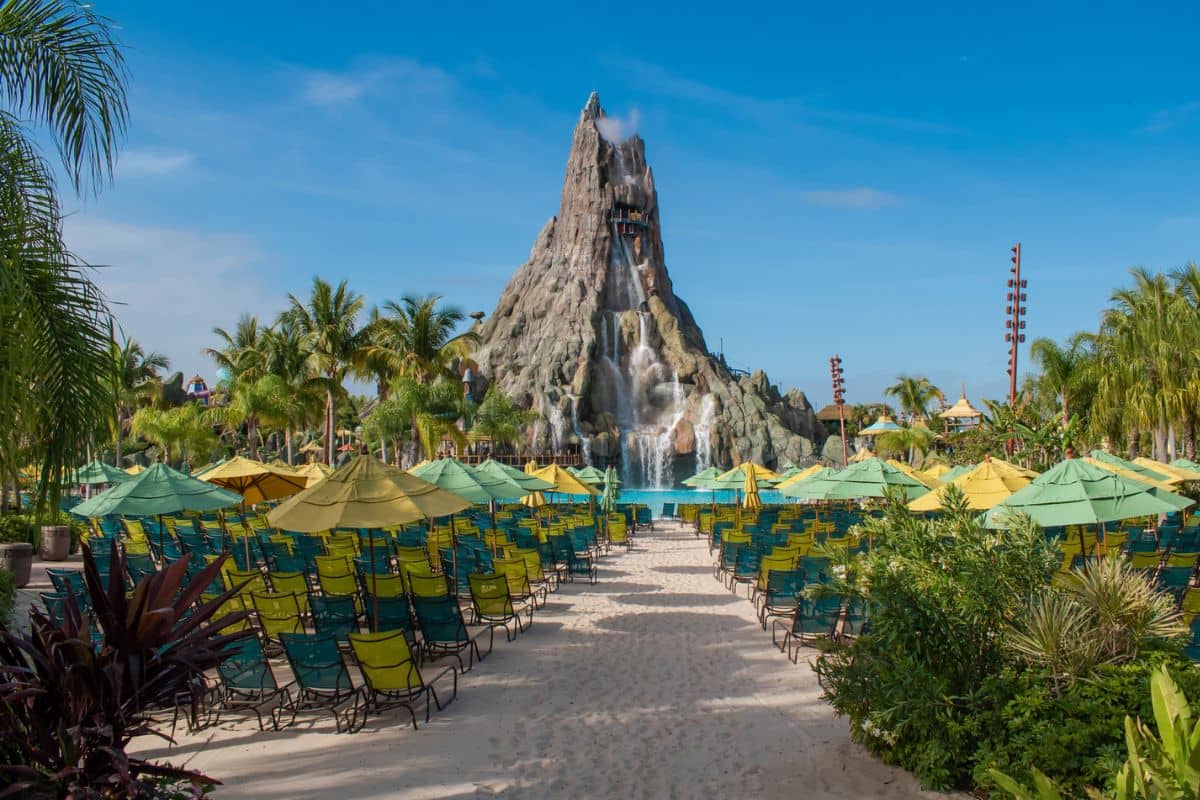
(8,596)
(69,708)
(942,592)
(16,528)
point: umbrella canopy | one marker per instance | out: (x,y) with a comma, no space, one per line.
(984,486)
(534,499)
(937,471)
(98,472)
(801,475)
(811,487)
(1141,477)
(736,477)
(788,473)
(314,472)
(751,498)
(1150,472)
(365,493)
(1077,493)
(915,474)
(703,478)
(590,475)
(1185,463)
(136,469)
(196,473)
(254,480)
(869,478)
(884,424)
(526,481)
(564,481)
(1183,473)
(157,490)
(612,490)
(470,484)
(861,455)
(957,472)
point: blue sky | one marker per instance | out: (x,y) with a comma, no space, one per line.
(830,181)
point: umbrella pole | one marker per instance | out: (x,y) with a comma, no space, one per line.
(374,584)
(246,533)
(161,553)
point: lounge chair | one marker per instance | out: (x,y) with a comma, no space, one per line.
(444,631)
(322,681)
(392,676)
(494,604)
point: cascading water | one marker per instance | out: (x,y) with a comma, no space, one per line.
(585,442)
(558,428)
(703,428)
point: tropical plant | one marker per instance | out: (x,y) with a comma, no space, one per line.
(389,421)
(137,382)
(264,402)
(71,708)
(434,409)
(328,325)
(415,338)
(241,356)
(908,441)
(1065,370)
(500,419)
(915,394)
(61,70)
(182,432)
(283,349)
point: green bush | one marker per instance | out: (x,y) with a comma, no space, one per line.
(1077,739)
(8,596)
(16,528)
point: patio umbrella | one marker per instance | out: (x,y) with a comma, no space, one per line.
(884,424)
(97,472)
(810,487)
(869,478)
(365,493)
(937,471)
(1077,493)
(1133,475)
(196,473)
(534,499)
(915,474)
(958,471)
(470,484)
(751,499)
(984,486)
(800,475)
(861,455)
(1183,473)
(530,483)
(156,491)
(565,482)
(702,478)
(590,475)
(1185,463)
(314,472)
(736,477)
(612,490)
(1151,472)
(136,469)
(255,481)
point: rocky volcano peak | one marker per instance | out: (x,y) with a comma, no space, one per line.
(590,333)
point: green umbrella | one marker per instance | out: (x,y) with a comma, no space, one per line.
(788,473)
(1132,466)
(1185,463)
(612,490)
(98,472)
(954,472)
(591,475)
(470,484)
(703,479)
(156,491)
(530,483)
(207,467)
(1077,493)
(870,477)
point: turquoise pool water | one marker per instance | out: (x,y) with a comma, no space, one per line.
(654,498)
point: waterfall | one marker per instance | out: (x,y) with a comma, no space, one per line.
(558,427)
(703,428)
(585,442)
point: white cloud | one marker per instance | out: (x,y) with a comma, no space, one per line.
(153,162)
(858,197)
(332,88)
(168,287)
(1168,118)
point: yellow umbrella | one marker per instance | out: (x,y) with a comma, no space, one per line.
(799,476)
(1028,473)
(533,499)
(861,455)
(735,477)
(564,481)
(1176,474)
(937,471)
(365,493)
(1168,485)
(752,500)
(135,469)
(314,472)
(984,487)
(915,474)
(254,480)
(419,464)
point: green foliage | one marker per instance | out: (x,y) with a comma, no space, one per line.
(16,528)
(8,596)
(941,594)
(500,418)
(181,433)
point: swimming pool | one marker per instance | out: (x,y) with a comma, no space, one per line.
(655,498)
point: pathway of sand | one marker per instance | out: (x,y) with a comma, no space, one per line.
(655,682)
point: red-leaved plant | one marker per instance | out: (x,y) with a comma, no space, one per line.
(69,708)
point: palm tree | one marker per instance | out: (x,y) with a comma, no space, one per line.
(389,421)
(914,394)
(285,357)
(1187,289)
(500,419)
(1064,368)
(415,338)
(265,402)
(912,440)
(241,355)
(328,323)
(137,382)
(434,409)
(182,431)
(60,70)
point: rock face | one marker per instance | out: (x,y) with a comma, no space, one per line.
(589,332)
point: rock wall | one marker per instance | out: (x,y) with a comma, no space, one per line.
(590,333)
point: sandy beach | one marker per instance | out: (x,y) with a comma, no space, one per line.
(655,682)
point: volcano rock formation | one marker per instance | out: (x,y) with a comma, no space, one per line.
(590,333)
